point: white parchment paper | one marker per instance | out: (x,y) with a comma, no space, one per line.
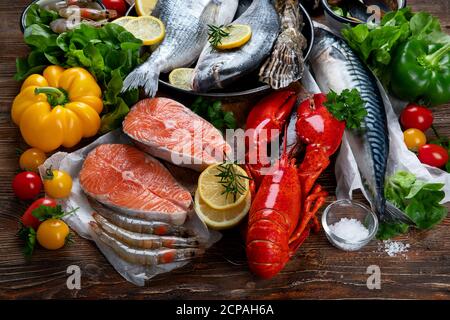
(79,221)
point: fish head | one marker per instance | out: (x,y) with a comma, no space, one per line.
(211,74)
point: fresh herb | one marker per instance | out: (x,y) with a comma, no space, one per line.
(214,113)
(231,180)
(38,15)
(376,45)
(216,34)
(347,106)
(27,234)
(109,53)
(417,199)
(46,212)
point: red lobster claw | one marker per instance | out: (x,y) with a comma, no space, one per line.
(264,124)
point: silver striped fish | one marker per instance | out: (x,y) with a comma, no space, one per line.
(186,23)
(336,67)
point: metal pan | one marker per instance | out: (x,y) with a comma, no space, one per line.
(248,85)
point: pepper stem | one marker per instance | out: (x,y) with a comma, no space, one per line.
(434,58)
(55,96)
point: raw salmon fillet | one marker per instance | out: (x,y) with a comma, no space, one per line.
(130,181)
(168,130)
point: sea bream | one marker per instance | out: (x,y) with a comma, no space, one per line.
(186,23)
(134,183)
(336,67)
(217,69)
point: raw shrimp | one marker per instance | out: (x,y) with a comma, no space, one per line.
(140,225)
(87,13)
(143,241)
(62,25)
(145,256)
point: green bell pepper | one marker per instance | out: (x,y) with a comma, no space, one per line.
(420,72)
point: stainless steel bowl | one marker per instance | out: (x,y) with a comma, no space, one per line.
(44,2)
(248,85)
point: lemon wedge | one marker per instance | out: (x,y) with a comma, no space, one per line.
(182,78)
(212,190)
(145,7)
(147,28)
(122,21)
(239,34)
(221,219)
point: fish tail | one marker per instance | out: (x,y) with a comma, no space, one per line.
(393,213)
(283,67)
(145,76)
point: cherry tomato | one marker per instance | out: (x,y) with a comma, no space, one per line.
(119,5)
(28,220)
(433,155)
(31,159)
(57,184)
(52,234)
(27,185)
(414,139)
(415,116)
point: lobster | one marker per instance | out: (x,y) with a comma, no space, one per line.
(286,200)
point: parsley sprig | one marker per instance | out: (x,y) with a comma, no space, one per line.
(213,112)
(231,180)
(216,34)
(347,106)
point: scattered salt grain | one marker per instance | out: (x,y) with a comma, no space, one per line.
(393,248)
(351,230)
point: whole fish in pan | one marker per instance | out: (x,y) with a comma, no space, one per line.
(217,69)
(186,23)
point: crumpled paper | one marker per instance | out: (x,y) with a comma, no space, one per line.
(400,158)
(79,221)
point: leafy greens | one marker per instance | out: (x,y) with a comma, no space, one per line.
(418,199)
(347,106)
(109,53)
(376,45)
(214,113)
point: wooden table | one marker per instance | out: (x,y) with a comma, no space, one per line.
(318,271)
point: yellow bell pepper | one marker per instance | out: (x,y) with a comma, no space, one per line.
(58,108)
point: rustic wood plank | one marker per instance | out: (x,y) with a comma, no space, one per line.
(317,271)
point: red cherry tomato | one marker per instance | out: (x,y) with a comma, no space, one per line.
(28,220)
(415,116)
(27,185)
(433,155)
(119,5)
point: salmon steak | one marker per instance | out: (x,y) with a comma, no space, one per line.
(168,130)
(134,183)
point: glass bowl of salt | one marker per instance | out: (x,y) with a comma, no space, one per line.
(349,225)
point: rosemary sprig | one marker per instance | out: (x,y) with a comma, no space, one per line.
(216,34)
(231,180)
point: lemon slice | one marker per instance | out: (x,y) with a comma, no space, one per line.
(221,219)
(182,78)
(239,35)
(212,191)
(145,7)
(147,28)
(123,20)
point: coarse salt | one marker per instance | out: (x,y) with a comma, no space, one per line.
(393,248)
(351,230)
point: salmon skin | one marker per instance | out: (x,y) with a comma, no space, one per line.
(168,130)
(134,183)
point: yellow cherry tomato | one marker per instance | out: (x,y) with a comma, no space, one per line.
(414,139)
(57,184)
(52,234)
(31,159)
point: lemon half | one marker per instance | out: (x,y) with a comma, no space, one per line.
(147,28)
(145,7)
(221,219)
(212,191)
(239,35)
(122,21)
(182,78)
